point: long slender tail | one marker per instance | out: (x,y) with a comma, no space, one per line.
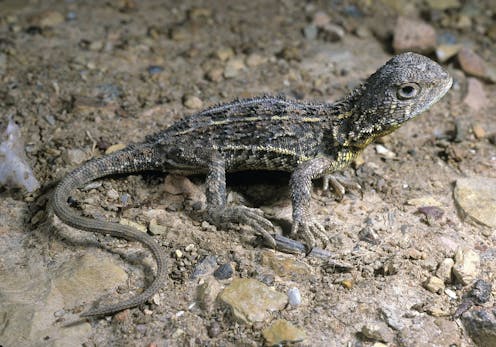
(130,160)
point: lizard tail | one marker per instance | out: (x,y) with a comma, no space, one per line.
(130,160)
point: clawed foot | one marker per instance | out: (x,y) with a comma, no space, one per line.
(339,184)
(228,217)
(309,230)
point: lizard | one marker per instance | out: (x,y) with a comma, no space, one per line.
(308,139)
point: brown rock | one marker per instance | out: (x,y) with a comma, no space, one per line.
(476,97)
(413,35)
(283,332)
(472,63)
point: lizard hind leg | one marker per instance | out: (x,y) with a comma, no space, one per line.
(223,216)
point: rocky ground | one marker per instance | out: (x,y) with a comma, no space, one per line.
(412,257)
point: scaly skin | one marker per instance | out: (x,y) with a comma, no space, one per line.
(310,140)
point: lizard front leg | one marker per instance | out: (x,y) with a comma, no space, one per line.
(301,189)
(220,214)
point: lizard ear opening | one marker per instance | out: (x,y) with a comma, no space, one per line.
(408,91)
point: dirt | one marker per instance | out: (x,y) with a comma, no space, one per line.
(88,75)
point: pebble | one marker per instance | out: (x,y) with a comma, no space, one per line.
(294,297)
(378,331)
(332,32)
(480,292)
(224,271)
(208,292)
(385,152)
(476,199)
(310,32)
(444,270)
(445,52)
(112,194)
(413,35)
(155,228)
(214,330)
(434,284)
(178,254)
(192,102)
(205,267)
(369,235)
(476,97)
(233,67)
(251,301)
(224,53)
(282,332)
(215,74)
(286,266)
(48,19)
(480,323)
(132,224)
(74,156)
(254,60)
(467,265)
(478,131)
(424,201)
(450,293)
(472,63)
(155,69)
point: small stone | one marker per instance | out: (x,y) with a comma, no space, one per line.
(50,19)
(476,199)
(214,330)
(480,292)
(467,264)
(205,267)
(224,53)
(479,131)
(480,323)
(254,60)
(75,156)
(320,19)
(115,148)
(310,32)
(155,69)
(178,254)
(190,248)
(332,32)
(383,151)
(446,51)
(180,33)
(208,292)
(294,297)
(431,212)
(413,35)
(283,332)
(155,228)
(250,300)
(233,67)
(424,201)
(476,97)
(286,266)
(348,284)
(224,272)
(444,270)
(472,63)
(112,194)
(192,102)
(369,235)
(378,331)
(434,284)
(215,74)
(450,293)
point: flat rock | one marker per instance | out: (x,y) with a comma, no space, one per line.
(413,35)
(476,199)
(444,270)
(476,97)
(446,51)
(283,332)
(286,266)
(472,63)
(86,278)
(251,300)
(481,325)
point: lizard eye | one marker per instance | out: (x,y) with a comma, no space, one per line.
(408,91)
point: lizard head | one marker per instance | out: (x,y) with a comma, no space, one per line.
(405,86)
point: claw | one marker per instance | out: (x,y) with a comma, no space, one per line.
(339,184)
(310,230)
